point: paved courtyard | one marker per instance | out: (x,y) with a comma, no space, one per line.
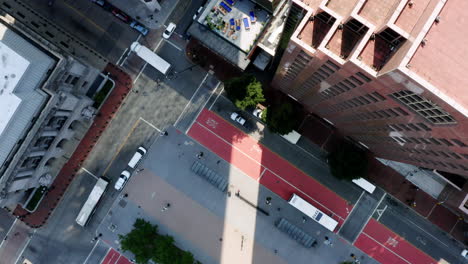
(216,226)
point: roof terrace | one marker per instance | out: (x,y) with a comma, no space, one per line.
(238,22)
(316,28)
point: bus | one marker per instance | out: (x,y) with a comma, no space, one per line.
(312,212)
(90,205)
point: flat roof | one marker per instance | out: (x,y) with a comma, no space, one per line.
(12,68)
(443,60)
(27,68)
(219,15)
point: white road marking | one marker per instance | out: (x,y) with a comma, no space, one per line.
(9,230)
(429,234)
(261,165)
(26,245)
(151,125)
(121,56)
(144,66)
(370,216)
(204,105)
(387,248)
(108,250)
(90,173)
(174,45)
(381,213)
(220,92)
(349,213)
(261,175)
(91,252)
(191,98)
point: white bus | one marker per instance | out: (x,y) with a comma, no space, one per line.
(150,57)
(88,208)
(312,212)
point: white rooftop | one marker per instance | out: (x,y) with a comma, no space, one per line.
(12,68)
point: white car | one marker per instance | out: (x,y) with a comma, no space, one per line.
(258,112)
(169,30)
(238,118)
(465,253)
(123,179)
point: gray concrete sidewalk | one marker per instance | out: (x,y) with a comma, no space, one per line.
(216,227)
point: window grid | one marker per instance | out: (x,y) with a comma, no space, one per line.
(422,106)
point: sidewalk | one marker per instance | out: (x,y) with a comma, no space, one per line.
(123,84)
(390,180)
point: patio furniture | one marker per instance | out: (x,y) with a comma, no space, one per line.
(253,18)
(225,28)
(230,32)
(230,2)
(238,25)
(222,10)
(246,23)
(225,6)
(232,23)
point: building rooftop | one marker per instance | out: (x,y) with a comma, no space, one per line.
(376,11)
(26,67)
(443,60)
(240,23)
(410,15)
(12,69)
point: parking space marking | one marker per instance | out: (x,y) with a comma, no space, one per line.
(121,146)
(174,45)
(90,173)
(151,125)
(191,98)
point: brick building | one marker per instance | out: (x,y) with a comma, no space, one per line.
(389,74)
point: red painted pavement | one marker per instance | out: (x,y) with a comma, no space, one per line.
(111,257)
(225,151)
(114,257)
(246,153)
(123,84)
(382,244)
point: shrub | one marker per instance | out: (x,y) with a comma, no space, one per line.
(244,91)
(281,118)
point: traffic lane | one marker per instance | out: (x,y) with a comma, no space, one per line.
(6,222)
(420,237)
(91,24)
(187,19)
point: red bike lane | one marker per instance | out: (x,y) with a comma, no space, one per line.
(260,163)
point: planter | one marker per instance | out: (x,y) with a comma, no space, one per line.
(35,199)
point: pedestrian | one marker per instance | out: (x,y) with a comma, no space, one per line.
(303,220)
(163,133)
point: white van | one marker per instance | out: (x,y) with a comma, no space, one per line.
(141,151)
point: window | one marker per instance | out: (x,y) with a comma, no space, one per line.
(363,77)
(401,111)
(414,127)
(458,142)
(435,141)
(356,80)
(446,142)
(378,96)
(465,156)
(423,126)
(424,107)
(455,155)
(444,154)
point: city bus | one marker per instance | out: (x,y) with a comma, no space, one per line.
(312,212)
(90,205)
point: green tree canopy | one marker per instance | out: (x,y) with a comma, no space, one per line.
(348,162)
(282,118)
(244,91)
(146,244)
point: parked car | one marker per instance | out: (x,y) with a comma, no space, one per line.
(121,15)
(198,12)
(123,179)
(238,118)
(103,3)
(140,28)
(169,30)
(257,112)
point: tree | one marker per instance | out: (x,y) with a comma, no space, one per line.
(146,244)
(142,241)
(348,162)
(244,91)
(282,118)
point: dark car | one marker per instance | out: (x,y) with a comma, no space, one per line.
(103,3)
(121,15)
